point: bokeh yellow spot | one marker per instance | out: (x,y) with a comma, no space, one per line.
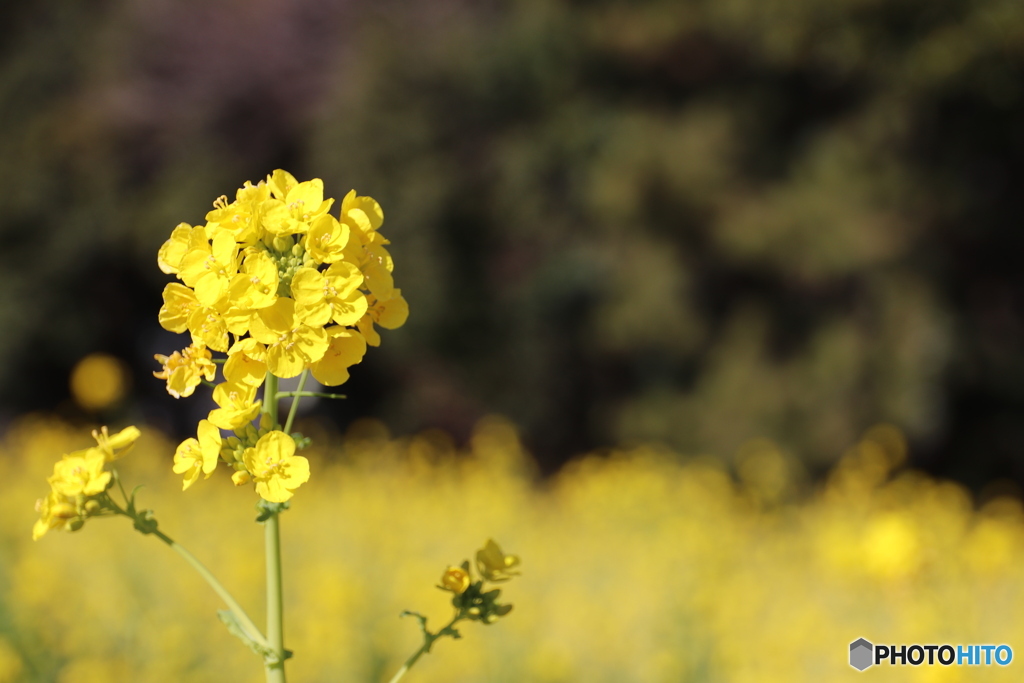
(98,381)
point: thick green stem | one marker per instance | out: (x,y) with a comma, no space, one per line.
(275,602)
(272,542)
(270,398)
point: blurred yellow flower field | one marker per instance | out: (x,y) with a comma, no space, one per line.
(639,565)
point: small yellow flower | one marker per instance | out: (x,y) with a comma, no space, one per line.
(331,295)
(493,564)
(291,343)
(80,474)
(256,285)
(391,314)
(241,218)
(210,267)
(237,405)
(275,468)
(246,363)
(198,455)
(118,445)
(185,370)
(302,204)
(54,512)
(180,303)
(327,239)
(347,347)
(455,579)
(183,238)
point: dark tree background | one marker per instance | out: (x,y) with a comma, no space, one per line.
(692,221)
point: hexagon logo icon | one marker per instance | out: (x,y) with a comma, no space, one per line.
(861,654)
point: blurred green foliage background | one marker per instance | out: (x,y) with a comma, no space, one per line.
(692,222)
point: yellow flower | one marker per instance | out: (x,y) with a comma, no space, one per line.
(237,405)
(210,267)
(275,468)
(198,455)
(80,474)
(240,218)
(246,363)
(363,213)
(391,314)
(347,347)
(256,285)
(185,370)
(291,343)
(493,564)
(331,295)
(54,512)
(301,204)
(183,238)
(116,446)
(179,304)
(455,579)
(327,239)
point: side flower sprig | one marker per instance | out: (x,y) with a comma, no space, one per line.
(79,484)
(470,599)
(283,286)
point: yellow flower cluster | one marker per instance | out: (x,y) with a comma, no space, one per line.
(281,285)
(77,479)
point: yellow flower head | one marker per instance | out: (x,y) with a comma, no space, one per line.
(291,343)
(118,445)
(80,474)
(455,579)
(238,406)
(275,468)
(185,370)
(493,564)
(54,512)
(198,455)
(347,347)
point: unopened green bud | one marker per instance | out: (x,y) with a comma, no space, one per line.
(297,250)
(92,507)
(75,524)
(233,442)
(282,244)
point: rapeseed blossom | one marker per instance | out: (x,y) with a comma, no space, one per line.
(79,482)
(283,287)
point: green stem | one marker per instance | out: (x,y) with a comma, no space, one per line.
(317,394)
(428,641)
(251,629)
(295,402)
(270,398)
(247,624)
(275,606)
(272,543)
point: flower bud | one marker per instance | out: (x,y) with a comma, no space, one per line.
(455,579)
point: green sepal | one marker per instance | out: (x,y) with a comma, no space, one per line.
(144,522)
(268,509)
